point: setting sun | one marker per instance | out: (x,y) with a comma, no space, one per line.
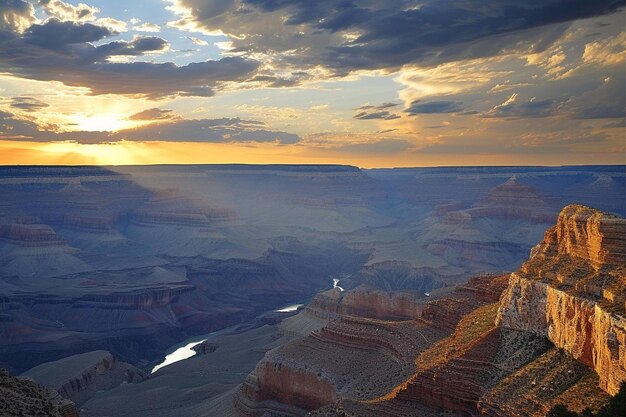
(103,122)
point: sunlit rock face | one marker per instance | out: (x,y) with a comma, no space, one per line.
(590,234)
(360,353)
(573,289)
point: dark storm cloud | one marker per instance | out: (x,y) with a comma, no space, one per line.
(28,103)
(63,51)
(390,34)
(173,128)
(434,107)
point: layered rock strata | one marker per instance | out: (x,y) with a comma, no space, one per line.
(572,291)
(352,356)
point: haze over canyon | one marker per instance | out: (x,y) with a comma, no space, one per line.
(284,290)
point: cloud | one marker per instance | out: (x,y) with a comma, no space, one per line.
(611,51)
(147,27)
(153,114)
(168,128)
(138,46)
(513,108)
(434,107)
(29,104)
(379,107)
(606,101)
(56,35)
(208,130)
(13,127)
(345,36)
(507,86)
(16,16)
(384,115)
(371,112)
(65,11)
(63,51)
(197,41)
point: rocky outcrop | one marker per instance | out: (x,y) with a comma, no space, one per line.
(583,328)
(572,291)
(78,377)
(592,235)
(24,397)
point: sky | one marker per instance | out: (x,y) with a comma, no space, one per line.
(362,82)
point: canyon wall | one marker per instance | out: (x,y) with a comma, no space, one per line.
(590,234)
(572,291)
(584,329)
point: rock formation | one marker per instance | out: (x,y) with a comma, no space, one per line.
(498,346)
(515,200)
(78,377)
(355,356)
(572,290)
(23,397)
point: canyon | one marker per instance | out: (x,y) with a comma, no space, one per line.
(472,351)
(118,264)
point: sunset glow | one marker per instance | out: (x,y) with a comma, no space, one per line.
(180,82)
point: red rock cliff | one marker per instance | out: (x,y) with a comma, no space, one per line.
(572,290)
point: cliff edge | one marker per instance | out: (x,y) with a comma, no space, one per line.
(572,290)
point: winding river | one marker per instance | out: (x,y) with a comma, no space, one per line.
(186,350)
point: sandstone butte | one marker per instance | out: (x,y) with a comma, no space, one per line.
(572,290)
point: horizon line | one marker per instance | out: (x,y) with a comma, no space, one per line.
(305,165)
